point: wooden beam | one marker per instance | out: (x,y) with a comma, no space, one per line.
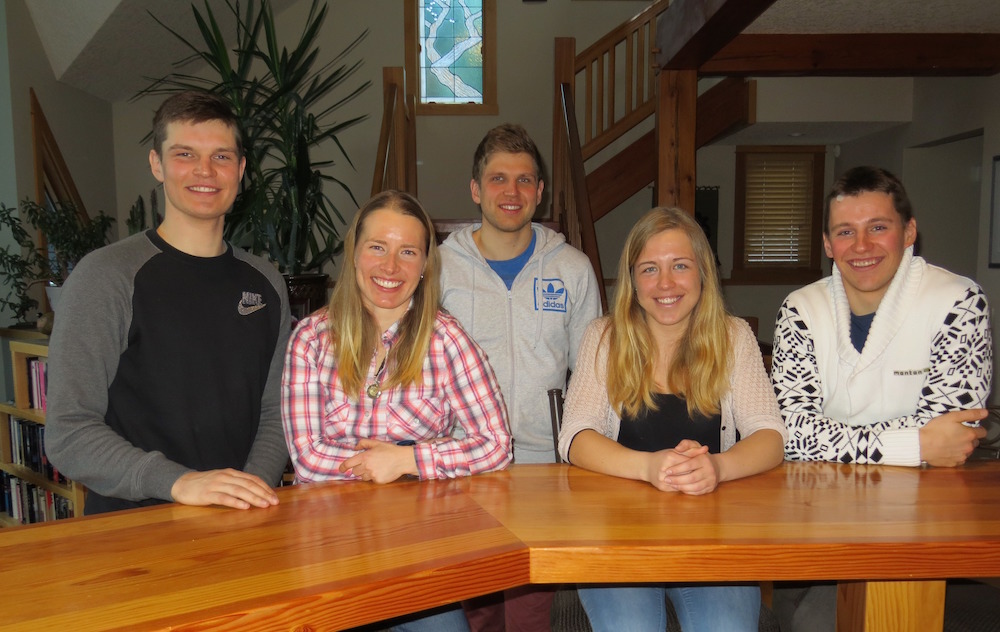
(675,125)
(876,605)
(858,55)
(622,176)
(690,32)
(565,52)
(382,177)
(724,109)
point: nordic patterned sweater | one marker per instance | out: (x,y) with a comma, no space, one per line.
(929,351)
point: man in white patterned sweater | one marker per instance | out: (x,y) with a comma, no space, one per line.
(890,359)
(887,361)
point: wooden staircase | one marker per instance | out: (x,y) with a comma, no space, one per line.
(613,86)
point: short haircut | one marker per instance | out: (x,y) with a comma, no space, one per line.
(194,106)
(868,179)
(510,138)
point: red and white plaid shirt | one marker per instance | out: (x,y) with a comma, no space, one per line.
(323,424)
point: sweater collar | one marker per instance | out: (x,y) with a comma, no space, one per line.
(889,316)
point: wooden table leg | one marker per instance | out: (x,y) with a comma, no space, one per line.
(884,606)
(767,594)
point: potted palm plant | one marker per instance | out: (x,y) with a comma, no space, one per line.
(68,237)
(285,99)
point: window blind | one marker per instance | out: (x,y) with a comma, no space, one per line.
(778,210)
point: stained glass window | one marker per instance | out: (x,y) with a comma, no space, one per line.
(455,65)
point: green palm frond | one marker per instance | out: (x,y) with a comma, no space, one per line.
(285,99)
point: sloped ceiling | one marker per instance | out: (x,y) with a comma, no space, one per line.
(110,48)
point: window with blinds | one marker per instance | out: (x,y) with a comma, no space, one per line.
(778,214)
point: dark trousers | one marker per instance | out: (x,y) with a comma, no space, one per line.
(522,609)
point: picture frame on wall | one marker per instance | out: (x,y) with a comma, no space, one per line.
(995,215)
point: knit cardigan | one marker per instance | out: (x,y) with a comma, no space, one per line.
(747,406)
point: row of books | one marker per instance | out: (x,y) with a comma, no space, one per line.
(37,382)
(27,503)
(27,448)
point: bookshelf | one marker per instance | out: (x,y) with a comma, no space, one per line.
(23,469)
(7,335)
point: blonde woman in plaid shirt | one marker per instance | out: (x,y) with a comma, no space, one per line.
(376,385)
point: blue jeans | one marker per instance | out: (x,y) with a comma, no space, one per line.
(448,621)
(699,608)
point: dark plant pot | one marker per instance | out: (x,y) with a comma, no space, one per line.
(306,293)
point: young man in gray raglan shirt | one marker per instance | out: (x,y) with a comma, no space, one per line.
(525,296)
(165,360)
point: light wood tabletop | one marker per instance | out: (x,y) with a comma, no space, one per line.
(329,556)
(335,555)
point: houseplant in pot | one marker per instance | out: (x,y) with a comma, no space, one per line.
(284,99)
(68,236)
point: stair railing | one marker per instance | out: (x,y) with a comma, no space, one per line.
(579,226)
(396,157)
(612,105)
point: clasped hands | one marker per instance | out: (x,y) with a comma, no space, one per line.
(380,461)
(687,468)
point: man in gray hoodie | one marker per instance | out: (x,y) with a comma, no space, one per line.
(525,296)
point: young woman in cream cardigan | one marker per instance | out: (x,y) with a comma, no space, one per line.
(661,387)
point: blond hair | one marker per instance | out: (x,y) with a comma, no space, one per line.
(353,329)
(699,370)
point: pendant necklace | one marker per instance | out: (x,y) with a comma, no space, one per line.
(375,388)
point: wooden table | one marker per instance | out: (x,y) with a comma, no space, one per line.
(336,555)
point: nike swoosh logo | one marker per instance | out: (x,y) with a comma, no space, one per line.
(246,310)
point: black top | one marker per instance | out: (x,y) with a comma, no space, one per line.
(189,383)
(664,428)
(165,363)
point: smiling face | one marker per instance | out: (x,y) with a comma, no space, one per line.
(508,192)
(200,168)
(389,258)
(866,240)
(667,283)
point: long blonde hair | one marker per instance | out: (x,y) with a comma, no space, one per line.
(353,328)
(699,370)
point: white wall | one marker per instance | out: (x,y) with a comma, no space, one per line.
(81,123)
(834,99)
(8,177)
(716,166)
(884,149)
(944,184)
(988,94)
